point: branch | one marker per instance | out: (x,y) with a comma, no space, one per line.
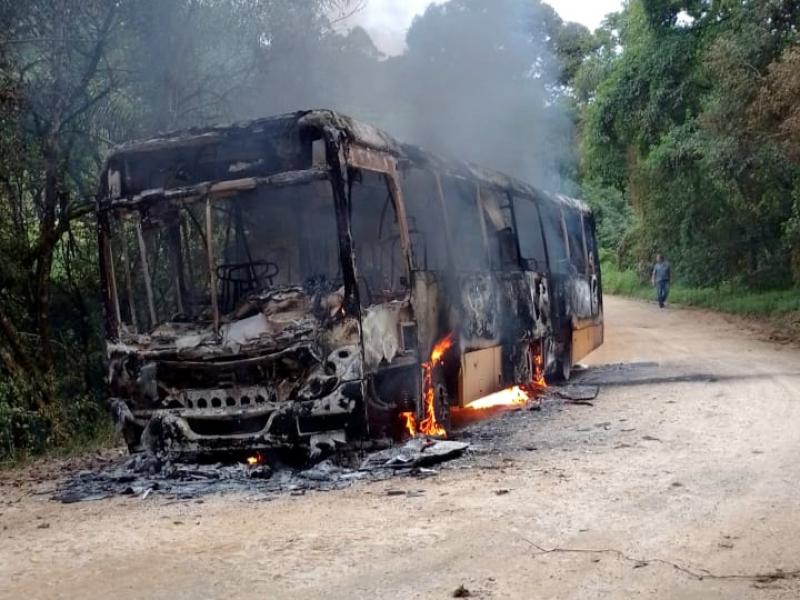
(639,563)
(94,61)
(91,101)
(47,242)
(346,14)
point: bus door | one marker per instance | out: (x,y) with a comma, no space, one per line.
(533,258)
(560,280)
(590,235)
(522,293)
(582,285)
(388,325)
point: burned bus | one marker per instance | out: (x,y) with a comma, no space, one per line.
(307,281)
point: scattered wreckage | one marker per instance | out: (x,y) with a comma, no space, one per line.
(306,281)
(144,474)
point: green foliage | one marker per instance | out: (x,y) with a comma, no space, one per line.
(612,213)
(792,234)
(72,424)
(21,429)
(77,76)
(727,298)
(694,125)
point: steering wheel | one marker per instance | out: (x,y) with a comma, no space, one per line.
(255,272)
(242,278)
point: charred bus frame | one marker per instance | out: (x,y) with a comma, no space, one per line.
(284,282)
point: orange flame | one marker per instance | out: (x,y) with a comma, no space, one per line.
(517,395)
(538,369)
(430,424)
(255,460)
(514,396)
(511,397)
(409,423)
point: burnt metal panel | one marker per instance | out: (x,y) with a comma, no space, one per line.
(481,374)
(253,149)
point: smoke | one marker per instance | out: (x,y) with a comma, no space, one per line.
(478,81)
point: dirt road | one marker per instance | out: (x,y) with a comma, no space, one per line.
(696,463)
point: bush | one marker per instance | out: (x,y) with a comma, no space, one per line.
(726,298)
(20,427)
(67,425)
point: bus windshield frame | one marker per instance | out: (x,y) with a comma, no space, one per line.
(168,253)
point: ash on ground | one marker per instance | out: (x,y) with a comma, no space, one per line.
(143,474)
(489,437)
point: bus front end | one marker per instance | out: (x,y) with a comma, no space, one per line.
(229,313)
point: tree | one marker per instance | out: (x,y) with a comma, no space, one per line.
(58,63)
(689,121)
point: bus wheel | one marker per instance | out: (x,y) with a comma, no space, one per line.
(563,369)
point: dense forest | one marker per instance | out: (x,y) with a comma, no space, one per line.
(677,120)
(690,130)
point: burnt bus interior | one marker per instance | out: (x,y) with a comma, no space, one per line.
(306,280)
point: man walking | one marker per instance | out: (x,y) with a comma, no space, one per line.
(662,273)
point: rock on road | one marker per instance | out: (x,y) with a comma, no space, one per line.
(697,465)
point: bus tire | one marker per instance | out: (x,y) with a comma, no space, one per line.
(564,363)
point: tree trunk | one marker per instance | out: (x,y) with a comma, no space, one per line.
(44,262)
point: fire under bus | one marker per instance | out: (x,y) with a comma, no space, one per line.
(307,281)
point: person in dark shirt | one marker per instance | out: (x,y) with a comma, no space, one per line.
(662,273)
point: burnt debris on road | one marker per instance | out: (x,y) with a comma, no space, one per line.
(266,474)
(143,474)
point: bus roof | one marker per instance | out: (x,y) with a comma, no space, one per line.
(281,129)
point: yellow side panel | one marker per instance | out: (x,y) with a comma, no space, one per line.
(481,374)
(586,340)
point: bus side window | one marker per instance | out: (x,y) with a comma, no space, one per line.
(425,220)
(577,250)
(591,243)
(464,221)
(496,208)
(529,229)
(382,270)
(554,236)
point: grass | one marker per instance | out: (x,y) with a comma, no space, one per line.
(100,435)
(724,299)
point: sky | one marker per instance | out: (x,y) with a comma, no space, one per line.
(388,20)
